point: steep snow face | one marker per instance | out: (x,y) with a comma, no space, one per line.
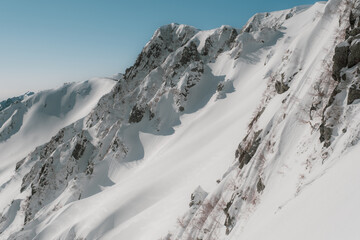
(173,121)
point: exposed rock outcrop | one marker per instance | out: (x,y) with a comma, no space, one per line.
(281,87)
(340,59)
(354,53)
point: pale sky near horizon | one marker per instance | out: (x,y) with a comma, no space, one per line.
(46,43)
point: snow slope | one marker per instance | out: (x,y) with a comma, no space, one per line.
(173,122)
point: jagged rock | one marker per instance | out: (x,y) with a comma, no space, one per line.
(136,114)
(230,220)
(354,32)
(151,115)
(289,15)
(232,37)
(248,28)
(332,97)
(343,77)
(220,87)
(154,51)
(354,93)
(115,145)
(260,186)
(353,16)
(352,19)
(189,53)
(340,59)
(281,87)
(164,41)
(246,153)
(78,151)
(354,56)
(244,158)
(90,169)
(199,68)
(325,134)
(44,172)
(207,46)
(18,164)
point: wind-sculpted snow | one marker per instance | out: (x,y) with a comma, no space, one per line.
(274,93)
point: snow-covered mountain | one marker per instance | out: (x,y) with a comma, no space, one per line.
(222,134)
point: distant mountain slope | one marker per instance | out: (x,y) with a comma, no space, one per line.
(31,122)
(6,103)
(281,86)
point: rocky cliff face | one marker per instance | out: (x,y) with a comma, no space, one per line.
(125,169)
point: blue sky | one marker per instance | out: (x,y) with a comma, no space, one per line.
(46,43)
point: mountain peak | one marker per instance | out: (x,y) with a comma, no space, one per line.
(164,41)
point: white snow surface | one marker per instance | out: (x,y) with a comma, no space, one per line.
(125,163)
